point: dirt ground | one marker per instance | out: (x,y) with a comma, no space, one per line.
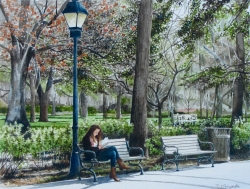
(29,177)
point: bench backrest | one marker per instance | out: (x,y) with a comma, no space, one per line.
(185,143)
(121,147)
(185,118)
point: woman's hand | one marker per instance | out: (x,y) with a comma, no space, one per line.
(100,147)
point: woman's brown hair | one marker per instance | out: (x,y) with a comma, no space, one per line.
(91,131)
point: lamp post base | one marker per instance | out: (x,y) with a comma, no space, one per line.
(74,165)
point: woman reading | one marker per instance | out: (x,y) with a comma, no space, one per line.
(92,141)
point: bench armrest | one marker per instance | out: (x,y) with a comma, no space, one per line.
(205,142)
(89,153)
(136,149)
(133,150)
(165,147)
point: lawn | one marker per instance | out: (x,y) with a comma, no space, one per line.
(66,119)
(62,120)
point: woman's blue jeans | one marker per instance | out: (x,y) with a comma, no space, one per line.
(108,153)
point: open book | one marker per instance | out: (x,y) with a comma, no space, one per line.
(104,142)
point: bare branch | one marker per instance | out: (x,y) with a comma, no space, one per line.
(49,47)
(216,56)
(3,11)
(4,48)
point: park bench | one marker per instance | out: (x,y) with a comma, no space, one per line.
(124,151)
(180,119)
(185,147)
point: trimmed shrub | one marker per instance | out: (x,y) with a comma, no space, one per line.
(92,110)
(3,110)
(240,135)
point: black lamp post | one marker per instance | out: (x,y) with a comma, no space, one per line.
(75,14)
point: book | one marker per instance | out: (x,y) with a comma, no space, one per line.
(104,142)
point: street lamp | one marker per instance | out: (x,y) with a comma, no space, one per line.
(75,15)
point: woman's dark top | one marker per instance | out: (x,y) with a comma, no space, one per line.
(87,146)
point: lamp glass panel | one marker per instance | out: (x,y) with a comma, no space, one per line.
(81,19)
(71,19)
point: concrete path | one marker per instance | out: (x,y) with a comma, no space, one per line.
(223,176)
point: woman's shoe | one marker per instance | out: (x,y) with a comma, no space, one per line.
(122,165)
(113,174)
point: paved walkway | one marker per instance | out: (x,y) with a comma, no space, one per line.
(223,176)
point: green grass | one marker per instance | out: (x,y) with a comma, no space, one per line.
(2,119)
(64,120)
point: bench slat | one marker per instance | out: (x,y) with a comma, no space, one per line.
(180,136)
(118,146)
(116,143)
(123,153)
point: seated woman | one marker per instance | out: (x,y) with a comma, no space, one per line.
(91,141)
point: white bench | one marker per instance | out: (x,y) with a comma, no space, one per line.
(123,150)
(180,148)
(180,119)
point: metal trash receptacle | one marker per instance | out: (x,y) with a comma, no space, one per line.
(220,137)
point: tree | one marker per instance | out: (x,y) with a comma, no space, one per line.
(34,80)
(213,33)
(20,31)
(44,95)
(139,100)
(240,83)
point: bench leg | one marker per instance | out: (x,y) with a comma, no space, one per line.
(177,166)
(94,175)
(176,163)
(88,169)
(208,158)
(139,165)
(141,169)
(162,167)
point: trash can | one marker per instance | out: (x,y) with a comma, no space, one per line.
(220,137)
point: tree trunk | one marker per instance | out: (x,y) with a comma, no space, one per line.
(83,104)
(218,103)
(105,106)
(20,59)
(160,115)
(188,105)
(214,104)
(44,97)
(53,102)
(201,101)
(118,103)
(32,98)
(239,82)
(43,103)
(139,100)
(16,104)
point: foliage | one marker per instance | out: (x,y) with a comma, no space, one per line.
(112,128)
(153,143)
(221,123)
(111,111)
(42,139)
(208,78)
(62,108)
(125,100)
(240,135)
(92,110)
(15,147)
(197,22)
(3,110)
